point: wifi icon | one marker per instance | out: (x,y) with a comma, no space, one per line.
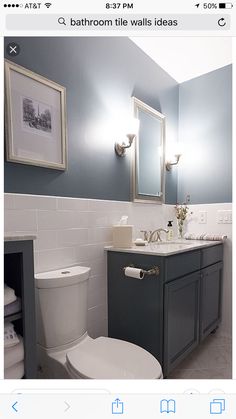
(48,5)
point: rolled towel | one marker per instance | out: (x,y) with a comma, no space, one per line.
(9,295)
(14,354)
(10,336)
(12,308)
(15,372)
(205,236)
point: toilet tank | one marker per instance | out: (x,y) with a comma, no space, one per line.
(61,305)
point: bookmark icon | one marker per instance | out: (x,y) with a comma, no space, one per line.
(168,406)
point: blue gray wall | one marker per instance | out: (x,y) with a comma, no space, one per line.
(100,75)
(205,128)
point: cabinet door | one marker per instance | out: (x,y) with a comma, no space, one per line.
(135,307)
(211,299)
(181,319)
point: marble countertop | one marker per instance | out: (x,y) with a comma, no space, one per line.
(165,248)
(8,237)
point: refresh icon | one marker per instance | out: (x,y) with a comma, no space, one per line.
(221,22)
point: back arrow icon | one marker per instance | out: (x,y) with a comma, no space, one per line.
(14,407)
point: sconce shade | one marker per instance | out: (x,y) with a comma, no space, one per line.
(131,132)
(132,127)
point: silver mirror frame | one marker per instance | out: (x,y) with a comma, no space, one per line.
(137,197)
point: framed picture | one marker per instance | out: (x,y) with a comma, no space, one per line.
(35,110)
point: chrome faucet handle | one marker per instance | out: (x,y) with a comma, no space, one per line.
(146,234)
(159,236)
(154,236)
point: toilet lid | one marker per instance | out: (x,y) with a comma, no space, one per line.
(107,358)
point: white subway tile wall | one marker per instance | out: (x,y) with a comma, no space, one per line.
(74,231)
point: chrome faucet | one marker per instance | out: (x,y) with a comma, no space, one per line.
(146,234)
(155,235)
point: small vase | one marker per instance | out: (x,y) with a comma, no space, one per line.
(180,228)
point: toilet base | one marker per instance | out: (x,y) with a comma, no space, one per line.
(84,359)
(51,363)
(52,367)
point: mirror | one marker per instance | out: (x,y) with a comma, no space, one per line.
(148,161)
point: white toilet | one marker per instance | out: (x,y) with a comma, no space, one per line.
(64,348)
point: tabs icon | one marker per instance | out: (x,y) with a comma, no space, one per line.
(217,406)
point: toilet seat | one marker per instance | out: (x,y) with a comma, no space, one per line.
(108,358)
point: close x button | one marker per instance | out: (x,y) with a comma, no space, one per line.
(13,49)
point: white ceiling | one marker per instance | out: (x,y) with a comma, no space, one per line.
(187,57)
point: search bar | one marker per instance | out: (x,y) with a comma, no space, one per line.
(149,22)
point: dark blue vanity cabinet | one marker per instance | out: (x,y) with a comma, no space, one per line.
(167,314)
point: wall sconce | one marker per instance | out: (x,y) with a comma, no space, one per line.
(132,131)
(177,154)
(173,163)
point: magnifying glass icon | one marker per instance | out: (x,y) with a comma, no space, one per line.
(61,21)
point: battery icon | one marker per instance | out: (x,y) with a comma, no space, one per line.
(225,5)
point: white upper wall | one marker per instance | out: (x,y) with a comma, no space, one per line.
(185,58)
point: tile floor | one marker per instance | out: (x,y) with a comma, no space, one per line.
(211,360)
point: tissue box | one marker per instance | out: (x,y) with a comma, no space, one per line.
(122,235)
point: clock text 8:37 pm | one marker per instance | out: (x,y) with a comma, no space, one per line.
(119,5)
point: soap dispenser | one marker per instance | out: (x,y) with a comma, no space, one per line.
(170,231)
